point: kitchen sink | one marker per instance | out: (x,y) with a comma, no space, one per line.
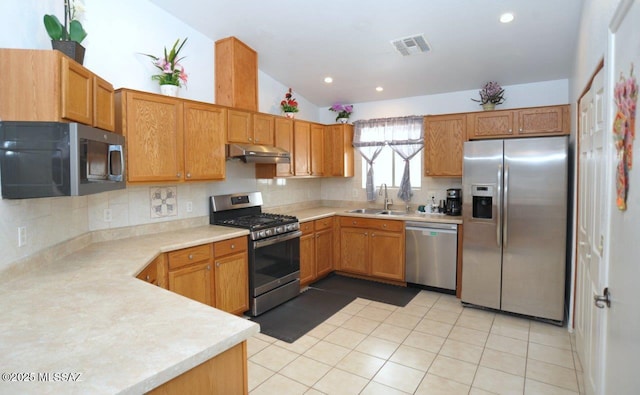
(365,211)
(389,212)
(375,211)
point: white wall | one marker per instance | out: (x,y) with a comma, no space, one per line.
(522,95)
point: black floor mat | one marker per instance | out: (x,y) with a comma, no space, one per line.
(291,320)
(372,290)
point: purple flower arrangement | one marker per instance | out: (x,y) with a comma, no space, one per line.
(343,111)
(491,92)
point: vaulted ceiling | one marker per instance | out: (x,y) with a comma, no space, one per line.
(299,43)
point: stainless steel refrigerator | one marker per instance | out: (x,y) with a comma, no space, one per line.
(514,212)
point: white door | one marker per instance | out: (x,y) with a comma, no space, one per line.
(622,356)
(590,266)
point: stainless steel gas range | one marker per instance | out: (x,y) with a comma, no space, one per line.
(274,248)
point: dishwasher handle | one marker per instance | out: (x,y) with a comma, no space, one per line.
(430,226)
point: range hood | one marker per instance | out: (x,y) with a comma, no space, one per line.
(258,153)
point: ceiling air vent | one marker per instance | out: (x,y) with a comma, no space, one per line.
(411,45)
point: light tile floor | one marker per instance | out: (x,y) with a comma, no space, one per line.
(433,345)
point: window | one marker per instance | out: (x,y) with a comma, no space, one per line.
(388,168)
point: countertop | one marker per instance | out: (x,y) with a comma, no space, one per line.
(323,212)
(87,314)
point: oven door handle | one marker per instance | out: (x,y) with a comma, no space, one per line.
(276,239)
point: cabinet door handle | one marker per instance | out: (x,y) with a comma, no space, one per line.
(217,264)
(520,130)
(190,256)
(208,267)
(188,175)
(147,278)
(510,130)
(366,233)
(354,222)
(178,175)
(384,225)
(250,139)
(233,246)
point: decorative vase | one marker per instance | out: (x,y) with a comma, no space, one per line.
(488,106)
(343,120)
(72,49)
(169,90)
(290,114)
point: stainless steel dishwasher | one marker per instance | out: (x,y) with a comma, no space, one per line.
(431,254)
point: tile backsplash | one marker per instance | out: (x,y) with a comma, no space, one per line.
(51,221)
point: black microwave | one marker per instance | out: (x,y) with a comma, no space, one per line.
(45,159)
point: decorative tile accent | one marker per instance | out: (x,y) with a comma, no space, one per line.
(164,201)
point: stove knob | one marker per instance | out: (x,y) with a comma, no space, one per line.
(267,232)
(261,234)
(279,229)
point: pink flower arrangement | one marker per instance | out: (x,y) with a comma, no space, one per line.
(344,111)
(172,71)
(491,92)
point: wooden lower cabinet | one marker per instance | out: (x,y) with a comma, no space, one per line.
(214,274)
(372,247)
(386,248)
(316,250)
(231,275)
(190,273)
(223,374)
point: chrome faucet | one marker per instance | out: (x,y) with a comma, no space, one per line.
(387,202)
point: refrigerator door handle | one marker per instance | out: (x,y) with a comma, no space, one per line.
(499,207)
(505,226)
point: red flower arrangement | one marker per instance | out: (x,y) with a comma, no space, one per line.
(289,104)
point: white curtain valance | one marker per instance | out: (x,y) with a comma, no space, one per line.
(405,135)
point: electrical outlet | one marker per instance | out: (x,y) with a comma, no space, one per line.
(189,207)
(107,215)
(22,236)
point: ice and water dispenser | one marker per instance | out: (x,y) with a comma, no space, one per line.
(482,201)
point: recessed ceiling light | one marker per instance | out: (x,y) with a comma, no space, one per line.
(328,80)
(506,17)
(379,89)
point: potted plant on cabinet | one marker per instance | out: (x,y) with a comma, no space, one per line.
(490,95)
(67,38)
(172,74)
(289,105)
(344,112)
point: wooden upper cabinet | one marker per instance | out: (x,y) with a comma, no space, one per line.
(204,139)
(153,127)
(284,139)
(43,85)
(524,122)
(490,124)
(239,127)
(543,121)
(443,139)
(170,139)
(317,149)
(104,106)
(263,129)
(77,92)
(236,74)
(302,148)
(338,153)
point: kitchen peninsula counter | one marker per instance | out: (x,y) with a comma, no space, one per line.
(87,314)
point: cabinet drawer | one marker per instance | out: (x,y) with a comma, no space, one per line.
(323,223)
(383,224)
(188,256)
(230,246)
(306,227)
(390,225)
